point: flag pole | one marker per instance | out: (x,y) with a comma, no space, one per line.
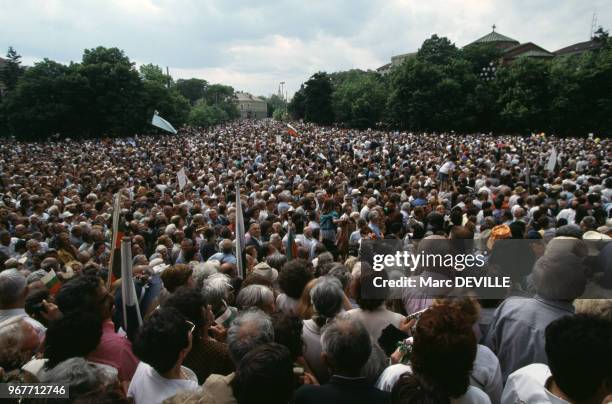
(115,234)
(239,232)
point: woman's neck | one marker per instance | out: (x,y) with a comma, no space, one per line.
(174,373)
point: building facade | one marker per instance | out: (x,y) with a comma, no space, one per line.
(251,107)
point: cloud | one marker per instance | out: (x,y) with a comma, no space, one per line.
(255,45)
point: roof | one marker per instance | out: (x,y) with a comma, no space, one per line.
(579,47)
(2,61)
(493,37)
(247,97)
(384,67)
(531,50)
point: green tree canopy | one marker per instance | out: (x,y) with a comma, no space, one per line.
(12,69)
(192,89)
(318,104)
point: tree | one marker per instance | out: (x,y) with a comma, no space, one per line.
(193,89)
(168,102)
(12,69)
(154,73)
(49,98)
(359,100)
(115,92)
(437,50)
(274,103)
(524,95)
(297,105)
(318,105)
(204,115)
(223,97)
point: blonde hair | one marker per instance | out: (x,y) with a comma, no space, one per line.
(601,308)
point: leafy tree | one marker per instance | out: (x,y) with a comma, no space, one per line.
(274,103)
(49,98)
(359,100)
(168,102)
(193,89)
(115,90)
(154,73)
(437,50)
(524,95)
(204,115)
(297,105)
(280,115)
(223,97)
(11,70)
(318,94)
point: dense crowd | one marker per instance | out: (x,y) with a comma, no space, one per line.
(292,323)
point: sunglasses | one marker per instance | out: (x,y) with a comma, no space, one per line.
(191,326)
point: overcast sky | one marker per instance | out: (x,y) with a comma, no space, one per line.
(254,44)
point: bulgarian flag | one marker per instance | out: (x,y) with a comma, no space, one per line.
(52,282)
(292,131)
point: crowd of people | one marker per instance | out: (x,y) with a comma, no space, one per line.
(286,319)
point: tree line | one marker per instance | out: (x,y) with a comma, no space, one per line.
(444,88)
(103,95)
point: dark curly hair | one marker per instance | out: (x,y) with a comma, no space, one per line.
(293,278)
(444,350)
(579,351)
(79,293)
(76,333)
(410,388)
(190,303)
(161,339)
(364,286)
(288,332)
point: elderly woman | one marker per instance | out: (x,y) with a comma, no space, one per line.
(327,300)
(18,341)
(259,296)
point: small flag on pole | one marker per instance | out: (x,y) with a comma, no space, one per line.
(162,123)
(51,281)
(239,233)
(292,131)
(552,160)
(279,139)
(128,290)
(182,178)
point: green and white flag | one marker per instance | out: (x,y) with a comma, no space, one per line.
(162,123)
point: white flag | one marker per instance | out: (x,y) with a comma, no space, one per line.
(182,178)
(552,160)
(162,123)
(239,234)
(279,139)
(128,290)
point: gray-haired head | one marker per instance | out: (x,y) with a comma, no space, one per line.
(80,375)
(36,276)
(12,287)
(327,297)
(373,216)
(346,344)
(13,332)
(216,289)
(249,330)
(559,276)
(276,260)
(202,270)
(341,273)
(255,296)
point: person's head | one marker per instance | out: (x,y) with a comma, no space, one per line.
(255,230)
(265,374)
(18,342)
(288,332)
(177,275)
(327,298)
(77,333)
(249,330)
(86,292)
(444,349)
(13,289)
(217,290)
(411,389)
(164,340)
(83,379)
(256,296)
(191,303)
(293,278)
(559,275)
(579,351)
(346,346)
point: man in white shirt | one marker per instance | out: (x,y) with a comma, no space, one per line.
(13,292)
(579,351)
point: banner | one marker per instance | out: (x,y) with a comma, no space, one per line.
(552,160)
(162,123)
(182,178)
(239,234)
(279,139)
(128,290)
(292,131)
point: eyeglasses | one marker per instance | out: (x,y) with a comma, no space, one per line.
(191,326)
